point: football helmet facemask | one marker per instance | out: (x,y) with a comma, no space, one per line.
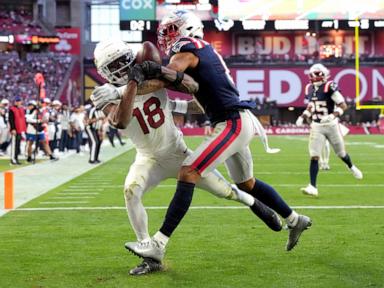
(113,58)
(318,74)
(177,24)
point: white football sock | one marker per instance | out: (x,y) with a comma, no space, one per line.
(292,219)
(137,216)
(161,238)
(242,197)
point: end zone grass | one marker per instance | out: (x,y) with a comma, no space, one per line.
(212,247)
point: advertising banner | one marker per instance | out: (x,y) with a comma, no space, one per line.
(70,41)
(286,85)
(137,10)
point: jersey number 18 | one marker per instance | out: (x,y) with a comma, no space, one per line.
(151,108)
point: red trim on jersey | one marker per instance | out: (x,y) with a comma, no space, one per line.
(215,143)
(307,89)
(326,87)
(197,42)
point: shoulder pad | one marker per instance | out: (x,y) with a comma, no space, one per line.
(331,87)
(187,44)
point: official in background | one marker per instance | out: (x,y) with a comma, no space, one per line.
(17,127)
(93,129)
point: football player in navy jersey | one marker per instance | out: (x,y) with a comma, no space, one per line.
(325,106)
(180,36)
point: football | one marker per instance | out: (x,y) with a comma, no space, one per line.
(148,52)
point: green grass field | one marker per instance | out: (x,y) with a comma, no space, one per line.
(212,247)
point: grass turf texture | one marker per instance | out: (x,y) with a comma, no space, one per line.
(211,248)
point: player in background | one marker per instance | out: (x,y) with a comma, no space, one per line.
(180,36)
(160,147)
(326,104)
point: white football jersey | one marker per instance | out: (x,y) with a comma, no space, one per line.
(151,129)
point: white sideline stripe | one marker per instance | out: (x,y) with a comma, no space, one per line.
(192,207)
(64,202)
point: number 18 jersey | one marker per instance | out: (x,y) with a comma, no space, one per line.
(151,129)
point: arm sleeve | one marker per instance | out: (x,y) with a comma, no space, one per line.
(337,97)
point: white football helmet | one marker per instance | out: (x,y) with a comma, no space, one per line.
(112,59)
(179,23)
(318,74)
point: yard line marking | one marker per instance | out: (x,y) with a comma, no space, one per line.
(73,197)
(301,184)
(79,193)
(64,202)
(192,207)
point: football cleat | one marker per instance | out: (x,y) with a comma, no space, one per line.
(310,190)
(267,215)
(147,266)
(302,224)
(356,172)
(147,249)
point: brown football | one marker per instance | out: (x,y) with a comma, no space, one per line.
(148,52)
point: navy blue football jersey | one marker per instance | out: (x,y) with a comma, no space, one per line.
(321,99)
(217,93)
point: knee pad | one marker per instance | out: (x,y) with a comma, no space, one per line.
(132,191)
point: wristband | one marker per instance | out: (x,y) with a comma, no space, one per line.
(181,106)
(179,78)
(339,110)
(306,113)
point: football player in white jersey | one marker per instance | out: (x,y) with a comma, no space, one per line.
(326,105)
(160,147)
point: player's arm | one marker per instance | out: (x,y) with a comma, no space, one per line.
(306,115)
(338,98)
(120,114)
(173,74)
(184,107)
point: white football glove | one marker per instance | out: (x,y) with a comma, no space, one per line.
(300,121)
(104,95)
(328,119)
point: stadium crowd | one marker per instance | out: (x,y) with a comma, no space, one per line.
(16,75)
(18,21)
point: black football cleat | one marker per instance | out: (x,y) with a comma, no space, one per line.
(147,266)
(267,215)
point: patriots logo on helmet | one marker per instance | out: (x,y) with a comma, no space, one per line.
(180,12)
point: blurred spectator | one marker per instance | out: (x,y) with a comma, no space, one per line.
(76,122)
(17,128)
(4,131)
(36,121)
(111,133)
(18,21)
(63,118)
